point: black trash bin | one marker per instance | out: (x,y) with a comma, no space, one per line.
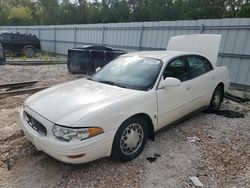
(86,59)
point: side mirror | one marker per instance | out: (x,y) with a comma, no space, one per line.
(98,69)
(170,82)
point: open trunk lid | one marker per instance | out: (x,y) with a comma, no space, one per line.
(205,44)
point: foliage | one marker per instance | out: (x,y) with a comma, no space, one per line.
(46,12)
(20,15)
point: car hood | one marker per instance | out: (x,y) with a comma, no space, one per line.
(67,103)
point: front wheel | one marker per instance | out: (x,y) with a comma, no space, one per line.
(130,139)
(216,100)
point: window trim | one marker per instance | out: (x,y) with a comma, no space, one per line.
(164,67)
(204,65)
(155,81)
(19,38)
(187,64)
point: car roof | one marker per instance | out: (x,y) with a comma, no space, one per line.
(163,55)
(17,33)
(4,31)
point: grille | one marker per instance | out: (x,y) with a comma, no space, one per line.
(37,126)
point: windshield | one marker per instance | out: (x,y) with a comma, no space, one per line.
(130,72)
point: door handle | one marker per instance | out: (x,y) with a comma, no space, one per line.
(188,87)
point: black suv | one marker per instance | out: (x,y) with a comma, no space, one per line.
(20,43)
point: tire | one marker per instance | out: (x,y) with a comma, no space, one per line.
(130,139)
(216,100)
(29,52)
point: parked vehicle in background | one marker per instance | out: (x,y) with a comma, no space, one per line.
(86,59)
(2,54)
(18,44)
(115,111)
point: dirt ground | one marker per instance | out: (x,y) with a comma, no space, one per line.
(220,158)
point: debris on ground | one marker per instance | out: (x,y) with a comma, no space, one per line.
(193,139)
(157,155)
(151,159)
(7,164)
(230,114)
(236,98)
(196,181)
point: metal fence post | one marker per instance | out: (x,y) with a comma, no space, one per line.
(202,28)
(103,35)
(39,33)
(140,39)
(54,40)
(74,37)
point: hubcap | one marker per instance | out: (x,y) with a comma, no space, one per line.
(217,100)
(131,139)
(29,52)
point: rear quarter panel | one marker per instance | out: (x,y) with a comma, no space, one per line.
(222,75)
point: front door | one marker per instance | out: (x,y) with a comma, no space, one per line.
(173,102)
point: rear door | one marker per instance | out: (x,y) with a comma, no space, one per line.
(202,80)
(19,41)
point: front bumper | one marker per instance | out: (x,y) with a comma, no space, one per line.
(92,148)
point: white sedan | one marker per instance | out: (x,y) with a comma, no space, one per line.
(115,111)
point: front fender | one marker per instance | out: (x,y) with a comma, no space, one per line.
(111,117)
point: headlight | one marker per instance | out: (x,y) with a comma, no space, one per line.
(68,134)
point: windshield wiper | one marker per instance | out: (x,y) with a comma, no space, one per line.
(111,83)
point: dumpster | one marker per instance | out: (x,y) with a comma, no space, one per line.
(87,59)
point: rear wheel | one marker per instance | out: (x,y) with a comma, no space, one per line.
(130,139)
(216,100)
(29,52)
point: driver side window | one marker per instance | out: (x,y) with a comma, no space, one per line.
(177,69)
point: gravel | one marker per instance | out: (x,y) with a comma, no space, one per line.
(219,158)
(47,74)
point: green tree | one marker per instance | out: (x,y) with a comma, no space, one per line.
(27,12)
(68,12)
(4,11)
(245,10)
(50,11)
(238,8)
(20,16)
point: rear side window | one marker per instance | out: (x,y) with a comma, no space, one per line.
(17,37)
(198,65)
(177,69)
(208,65)
(31,38)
